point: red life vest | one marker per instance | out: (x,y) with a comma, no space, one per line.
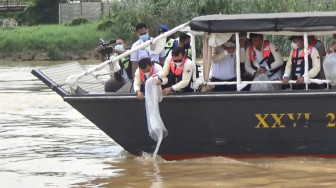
(177,71)
(266,50)
(294,56)
(142,75)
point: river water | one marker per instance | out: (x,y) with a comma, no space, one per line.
(46,143)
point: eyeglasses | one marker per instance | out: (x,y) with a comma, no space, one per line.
(178,60)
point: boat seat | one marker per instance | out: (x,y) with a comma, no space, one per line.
(59,74)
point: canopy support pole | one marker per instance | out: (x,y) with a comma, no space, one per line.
(238,61)
(306,75)
(193,59)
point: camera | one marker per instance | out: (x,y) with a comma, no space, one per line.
(106,50)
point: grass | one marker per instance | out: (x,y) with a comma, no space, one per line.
(52,38)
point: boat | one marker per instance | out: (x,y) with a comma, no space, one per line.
(240,124)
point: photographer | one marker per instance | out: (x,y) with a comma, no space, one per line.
(124,75)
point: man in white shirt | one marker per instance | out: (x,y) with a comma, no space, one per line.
(263,56)
(142,32)
(178,69)
(296,65)
(145,71)
(224,63)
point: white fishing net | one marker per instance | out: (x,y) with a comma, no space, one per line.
(329,66)
(262,86)
(156,128)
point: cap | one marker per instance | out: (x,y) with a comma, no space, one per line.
(163,28)
(251,35)
(295,37)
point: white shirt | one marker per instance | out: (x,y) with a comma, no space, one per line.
(143,53)
(223,66)
(137,79)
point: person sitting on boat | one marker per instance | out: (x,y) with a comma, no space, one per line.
(178,69)
(322,53)
(142,32)
(171,43)
(263,56)
(124,75)
(295,66)
(145,70)
(245,76)
(223,67)
(332,48)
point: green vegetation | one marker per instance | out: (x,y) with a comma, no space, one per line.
(56,40)
(78,21)
(174,12)
(51,39)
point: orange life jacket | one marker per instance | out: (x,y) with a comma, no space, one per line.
(294,55)
(142,75)
(177,71)
(266,50)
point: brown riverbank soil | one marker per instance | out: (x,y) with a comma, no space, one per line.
(44,56)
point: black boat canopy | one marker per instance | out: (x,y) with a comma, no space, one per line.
(285,23)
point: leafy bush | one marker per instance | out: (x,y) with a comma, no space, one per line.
(105,25)
(78,21)
(55,53)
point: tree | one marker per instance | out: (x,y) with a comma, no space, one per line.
(42,12)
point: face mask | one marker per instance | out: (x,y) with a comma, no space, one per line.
(178,61)
(144,37)
(147,74)
(229,44)
(294,45)
(186,46)
(119,47)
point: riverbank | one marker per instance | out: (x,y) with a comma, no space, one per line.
(44,55)
(52,42)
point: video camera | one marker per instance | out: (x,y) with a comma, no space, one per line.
(106,50)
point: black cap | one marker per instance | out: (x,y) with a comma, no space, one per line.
(296,37)
(251,35)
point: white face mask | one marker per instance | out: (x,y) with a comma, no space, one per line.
(294,45)
(229,44)
(147,74)
(244,37)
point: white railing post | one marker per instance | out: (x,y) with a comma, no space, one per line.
(238,61)
(306,75)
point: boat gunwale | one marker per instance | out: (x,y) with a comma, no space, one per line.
(207,95)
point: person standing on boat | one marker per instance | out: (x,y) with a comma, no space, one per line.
(124,75)
(263,56)
(223,67)
(295,66)
(142,32)
(184,42)
(145,70)
(171,43)
(178,69)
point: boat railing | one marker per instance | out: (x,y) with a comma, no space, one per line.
(241,84)
(244,83)
(73,80)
